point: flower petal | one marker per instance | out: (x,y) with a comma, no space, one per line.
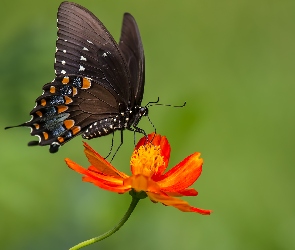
(102,165)
(109,180)
(117,188)
(142,183)
(110,183)
(182,175)
(185,192)
(143,141)
(76,167)
(177,203)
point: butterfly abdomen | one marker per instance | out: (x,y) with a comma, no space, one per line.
(101,128)
(109,125)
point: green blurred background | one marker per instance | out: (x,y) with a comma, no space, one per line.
(231,61)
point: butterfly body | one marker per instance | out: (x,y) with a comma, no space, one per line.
(99,84)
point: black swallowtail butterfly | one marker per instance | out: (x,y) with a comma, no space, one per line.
(98,85)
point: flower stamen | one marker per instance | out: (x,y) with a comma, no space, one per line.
(146,160)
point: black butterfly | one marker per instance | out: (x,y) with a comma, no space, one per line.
(98,86)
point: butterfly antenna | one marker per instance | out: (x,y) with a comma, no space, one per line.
(151,103)
(161,104)
(167,105)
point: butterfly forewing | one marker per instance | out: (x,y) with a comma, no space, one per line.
(131,46)
(86,48)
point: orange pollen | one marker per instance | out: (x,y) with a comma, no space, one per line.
(146,160)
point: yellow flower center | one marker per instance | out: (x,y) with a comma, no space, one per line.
(146,160)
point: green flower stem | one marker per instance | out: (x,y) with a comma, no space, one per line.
(133,204)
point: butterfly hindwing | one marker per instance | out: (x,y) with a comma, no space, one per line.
(65,109)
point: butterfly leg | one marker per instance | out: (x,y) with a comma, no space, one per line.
(111,149)
(138,130)
(152,124)
(134,139)
(118,146)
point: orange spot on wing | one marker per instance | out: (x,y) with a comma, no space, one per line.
(76,130)
(37,126)
(61,108)
(60,139)
(68,99)
(43,102)
(69,123)
(75,91)
(45,135)
(65,80)
(86,83)
(39,113)
(52,89)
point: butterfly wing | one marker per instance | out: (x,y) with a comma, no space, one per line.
(67,107)
(131,46)
(92,80)
(86,48)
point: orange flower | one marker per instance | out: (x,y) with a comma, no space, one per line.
(148,163)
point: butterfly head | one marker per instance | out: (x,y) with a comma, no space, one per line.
(143,111)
